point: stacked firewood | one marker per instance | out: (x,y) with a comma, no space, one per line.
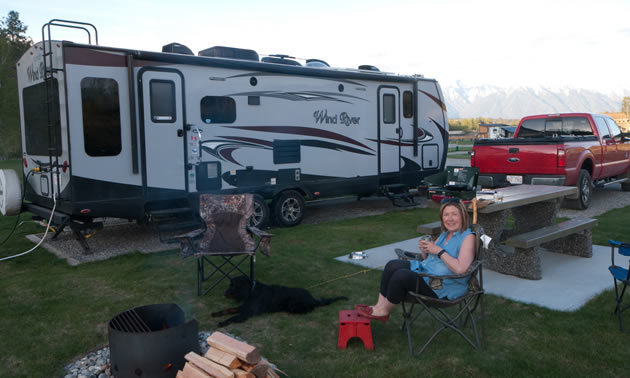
(227,357)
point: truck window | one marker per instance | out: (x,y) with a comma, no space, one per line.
(553,127)
(602,129)
(407,104)
(614,130)
(163,101)
(101,116)
(36,118)
(576,126)
(532,128)
(218,109)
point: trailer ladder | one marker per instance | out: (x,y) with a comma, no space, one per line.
(49,74)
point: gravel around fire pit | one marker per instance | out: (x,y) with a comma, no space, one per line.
(96,364)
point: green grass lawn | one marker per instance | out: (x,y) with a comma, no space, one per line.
(459,156)
(53,313)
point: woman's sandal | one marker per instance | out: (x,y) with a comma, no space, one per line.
(367,312)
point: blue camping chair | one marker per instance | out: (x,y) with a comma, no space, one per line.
(619,274)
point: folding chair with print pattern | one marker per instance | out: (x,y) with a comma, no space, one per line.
(227,241)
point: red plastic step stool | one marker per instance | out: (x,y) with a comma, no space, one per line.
(352,324)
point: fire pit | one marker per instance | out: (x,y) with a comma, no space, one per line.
(151,341)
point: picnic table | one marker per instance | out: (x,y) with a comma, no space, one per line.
(515,250)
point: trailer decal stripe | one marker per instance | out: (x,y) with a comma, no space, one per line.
(295,130)
(332,146)
(435,99)
(300,96)
(223,149)
(250,140)
(275,74)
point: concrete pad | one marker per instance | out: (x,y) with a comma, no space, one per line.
(567,283)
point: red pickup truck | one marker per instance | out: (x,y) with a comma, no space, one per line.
(580,149)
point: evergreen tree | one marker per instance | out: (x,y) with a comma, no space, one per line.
(13,43)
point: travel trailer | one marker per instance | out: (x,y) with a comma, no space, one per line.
(113,132)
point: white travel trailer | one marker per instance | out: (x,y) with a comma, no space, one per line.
(112,132)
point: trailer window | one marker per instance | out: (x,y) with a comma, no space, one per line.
(407,104)
(101,116)
(389,108)
(218,109)
(36,118)
(162,101)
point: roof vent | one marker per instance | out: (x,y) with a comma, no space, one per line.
(367,67)
(317,63)
(229,52)
(280,59)
(177,48)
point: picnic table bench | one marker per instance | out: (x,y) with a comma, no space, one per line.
(572,237)
(434,229)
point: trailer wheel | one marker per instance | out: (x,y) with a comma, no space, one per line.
(10,192)
(585,192)
(260,217)
(288,208)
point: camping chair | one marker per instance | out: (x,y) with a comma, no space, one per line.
(619,274)
(451,314)
(226,241)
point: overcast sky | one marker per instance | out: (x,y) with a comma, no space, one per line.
(549,43)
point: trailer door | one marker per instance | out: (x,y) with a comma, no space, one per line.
(163,120)
(389,130)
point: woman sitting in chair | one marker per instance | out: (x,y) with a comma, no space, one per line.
(451,253)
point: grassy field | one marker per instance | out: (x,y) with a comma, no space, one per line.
(53,313)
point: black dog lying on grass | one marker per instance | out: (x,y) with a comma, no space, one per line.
(267,298)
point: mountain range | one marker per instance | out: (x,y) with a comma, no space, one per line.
(514,103)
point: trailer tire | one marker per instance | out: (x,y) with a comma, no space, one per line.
(288,208)
(585,192)
(10,192)
(260,217)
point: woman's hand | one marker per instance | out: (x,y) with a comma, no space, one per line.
(428,248)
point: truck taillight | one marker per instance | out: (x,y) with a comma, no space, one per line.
(472,158)
(562,158)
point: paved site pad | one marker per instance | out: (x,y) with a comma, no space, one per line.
(567,283)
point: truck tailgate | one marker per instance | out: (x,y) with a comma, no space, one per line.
(517,157)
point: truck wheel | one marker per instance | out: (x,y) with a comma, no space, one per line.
(625,186)
(260,217)
(288,208)
(10,192)
(585,192)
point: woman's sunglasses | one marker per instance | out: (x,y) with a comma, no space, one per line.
(450,200)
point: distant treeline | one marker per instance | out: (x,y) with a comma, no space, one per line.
(472,124)
(13,43)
